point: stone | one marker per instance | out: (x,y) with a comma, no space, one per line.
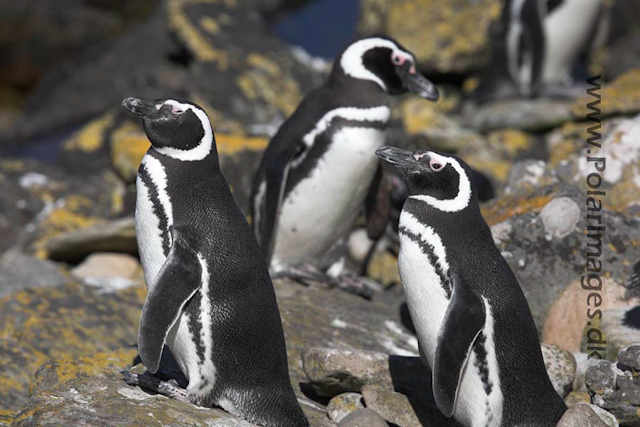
(62,322)
(601,377)
(581,415)
(560,217)
(363,418)
(96,366)
(110,402)
(6,417)
(576,397)
(332,371)
(398,409)
(445,38)
(342,405)
(109,271)
(619,97)
(629,357)
(561,367)
(547,265)
(115,236)
(20,271)
(573,317)
(536,115)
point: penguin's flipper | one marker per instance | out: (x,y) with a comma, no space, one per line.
(463,321)
(378,204)
(276,179)
(178,280)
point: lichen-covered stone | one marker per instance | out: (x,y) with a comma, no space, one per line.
(19,271)
(601,377)
(546,264)
(114,236)
(528,115)
(342,405)
(620,97)
(99,365)
(334,371)
(447,37)
(67,321)
(363,418)
(630,357)
(561,367)
(110,402)
(398,409)
(575,397)
(581,415)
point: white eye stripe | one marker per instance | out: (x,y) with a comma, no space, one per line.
(203,149)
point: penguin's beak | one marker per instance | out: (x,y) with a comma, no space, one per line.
(416,83)
(139,107)
(396,156)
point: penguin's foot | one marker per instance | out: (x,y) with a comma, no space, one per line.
(166,388)
(355,284)
(303,273)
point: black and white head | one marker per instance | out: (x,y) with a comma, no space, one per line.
(386,63)
(177,129)
(443,181)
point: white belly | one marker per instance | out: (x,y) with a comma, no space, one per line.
(318,214)
(149,236)
(567,31)
(428,302)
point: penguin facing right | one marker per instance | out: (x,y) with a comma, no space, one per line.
(475,329)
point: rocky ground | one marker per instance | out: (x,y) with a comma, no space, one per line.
(71,287)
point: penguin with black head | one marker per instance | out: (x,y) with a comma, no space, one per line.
(210,298)
(316,173)
(473,323)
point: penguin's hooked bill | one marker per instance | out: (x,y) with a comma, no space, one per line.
(139,107)
(416,83)
(403,159)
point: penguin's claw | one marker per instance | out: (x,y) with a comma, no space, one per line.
(166,388)
(130,378)
(359,285)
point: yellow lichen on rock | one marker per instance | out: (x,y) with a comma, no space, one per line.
(66,217)
(197,43)
(266,82)
(511,141)
(231,144)
(622,96)
(129,144)
(508,206)
(449,36)
(6,417)
(90,137)
(210,25)
(63,370)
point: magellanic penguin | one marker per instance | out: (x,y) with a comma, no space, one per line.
(535,47)
(210,298)
(318,168)
(473,323)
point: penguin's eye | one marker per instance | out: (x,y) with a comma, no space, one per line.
(398,59)
(176,110)
(435,165)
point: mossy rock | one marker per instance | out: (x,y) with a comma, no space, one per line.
(446,37)
(63,322)
(620,97)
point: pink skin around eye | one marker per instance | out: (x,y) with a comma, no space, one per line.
(398,59)
(435,165)
(176,110)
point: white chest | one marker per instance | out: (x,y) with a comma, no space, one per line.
(567,30)
(320,211)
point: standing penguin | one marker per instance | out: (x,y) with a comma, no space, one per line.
(210,298)
(473,322)
(314,176)
(535,47)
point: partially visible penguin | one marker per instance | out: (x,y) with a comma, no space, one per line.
(210,298)
(535,47)
(473,323)
(317,170)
